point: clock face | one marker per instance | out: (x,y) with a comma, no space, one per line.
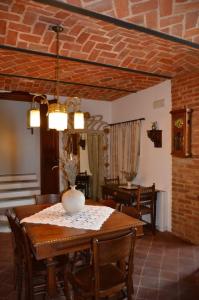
(179,123)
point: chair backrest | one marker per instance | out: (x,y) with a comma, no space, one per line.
(24,254)
(145,196)
(21,241)
(119,249)
(82,173)
(16,233)
(115,180)
(47,198)
(82,183)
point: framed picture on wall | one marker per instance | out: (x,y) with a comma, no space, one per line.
(181,132)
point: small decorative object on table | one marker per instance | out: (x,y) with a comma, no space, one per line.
(129,176)
(73,200)
(154,125)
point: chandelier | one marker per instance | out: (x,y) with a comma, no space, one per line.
(57,112)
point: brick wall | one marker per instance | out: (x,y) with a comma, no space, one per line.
(185,171)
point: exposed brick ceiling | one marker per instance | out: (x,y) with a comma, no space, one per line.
(178,18)
(25,25)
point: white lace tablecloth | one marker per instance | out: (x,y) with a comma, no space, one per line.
(91,217)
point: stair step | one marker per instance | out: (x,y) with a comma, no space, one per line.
(16,202)
(16,190)
(19,194)
(3,219)
(18,177)
(4,226)
(18,185)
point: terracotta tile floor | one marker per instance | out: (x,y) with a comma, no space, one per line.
(166,268)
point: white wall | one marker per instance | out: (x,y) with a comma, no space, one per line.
(96,107)
(19,149)
(155,163)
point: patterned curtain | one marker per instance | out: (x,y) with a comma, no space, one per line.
(124,148)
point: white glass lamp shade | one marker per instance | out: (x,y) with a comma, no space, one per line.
(57,120)
(57,117)
(34,117)
(79,120)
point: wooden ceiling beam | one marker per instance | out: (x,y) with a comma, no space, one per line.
(16,96)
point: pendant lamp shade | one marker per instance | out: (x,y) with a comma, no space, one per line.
(57,112)
(34,117)
(57,116)
(78,120)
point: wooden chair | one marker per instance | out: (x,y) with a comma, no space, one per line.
(115,180)
(82,183)
(144,204)
(18,254)
(29,271)
(111,269)
(47,198)
(110,181)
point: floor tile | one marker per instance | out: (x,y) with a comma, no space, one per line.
(165,268)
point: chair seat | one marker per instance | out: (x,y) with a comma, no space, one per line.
(110,276)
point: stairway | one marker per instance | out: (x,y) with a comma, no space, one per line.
(16,190)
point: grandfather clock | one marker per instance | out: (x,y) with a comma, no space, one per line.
(181,132)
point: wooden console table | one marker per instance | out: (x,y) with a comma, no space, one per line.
(122,195)
(119,194)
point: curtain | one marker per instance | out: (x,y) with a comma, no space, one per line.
(96,164)
(124,148)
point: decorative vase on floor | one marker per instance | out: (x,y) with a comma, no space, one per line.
(73,200)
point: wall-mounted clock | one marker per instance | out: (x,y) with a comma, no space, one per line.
(181,132)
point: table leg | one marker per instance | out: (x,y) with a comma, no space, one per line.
(51,273)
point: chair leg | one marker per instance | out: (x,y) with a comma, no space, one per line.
(67,290)
(19,281)
(15,274)
(130,293)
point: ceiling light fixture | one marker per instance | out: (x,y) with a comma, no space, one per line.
(57,112)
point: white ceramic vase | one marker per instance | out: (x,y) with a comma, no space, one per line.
(73,200)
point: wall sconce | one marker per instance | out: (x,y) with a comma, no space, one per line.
(57,112)
(33,114)
(155,135)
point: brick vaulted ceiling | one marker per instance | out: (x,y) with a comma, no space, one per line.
(108,49)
